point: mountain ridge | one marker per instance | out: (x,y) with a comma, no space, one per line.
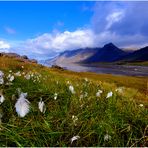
(108,53)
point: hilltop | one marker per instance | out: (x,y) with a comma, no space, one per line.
(82,109)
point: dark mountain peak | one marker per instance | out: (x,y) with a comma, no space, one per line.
(108,53)
(110,45)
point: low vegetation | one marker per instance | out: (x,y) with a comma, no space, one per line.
(70,109)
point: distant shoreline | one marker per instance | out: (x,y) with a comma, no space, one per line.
(114,69)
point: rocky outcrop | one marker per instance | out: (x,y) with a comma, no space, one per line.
(23,58)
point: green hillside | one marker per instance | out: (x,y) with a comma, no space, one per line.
(82,109)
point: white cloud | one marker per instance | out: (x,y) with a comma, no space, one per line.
(4,45)
(113,18)
(50,44)
(62,41)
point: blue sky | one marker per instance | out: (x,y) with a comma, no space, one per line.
(43,29)
(30,19)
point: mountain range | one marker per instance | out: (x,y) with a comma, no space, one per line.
(107,53)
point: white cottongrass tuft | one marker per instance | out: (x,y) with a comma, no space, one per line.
(18,74)
(1,80)
(85,94)
(99,93)
(55,96)
(71,88)
(32,75)
(11,78)
(75,119)
(42,106)
(86,79)
(2,99)
(81,96)
(107,137)
(1,74)
(68,82)
(109,94)
(22,105)
(141,105)
(74,138)
(119,90)
(1,77)
(27,76)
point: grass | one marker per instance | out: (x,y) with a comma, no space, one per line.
(140,63)
(119,116)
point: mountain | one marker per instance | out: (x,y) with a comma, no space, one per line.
(73,56)
(138,55)
(108,53)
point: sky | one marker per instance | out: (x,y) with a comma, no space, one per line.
(41,30)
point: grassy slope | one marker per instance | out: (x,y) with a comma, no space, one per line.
(143,63)
(119,116)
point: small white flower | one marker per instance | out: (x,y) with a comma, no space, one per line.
(81,96)
(55,96)
(141,105)
(85,94)
(10,71)
(8,76)
(22,66)
(1,80)
(18,74)
(75,119)
(107,137)
(22,105)
(2,99)
(109,94)
(57,82)
(119,90)
(42,106)
(1,77)
(99,93)
(1,74)
(71,88)
(74,138)
(86,79)
(13,97)
(68,82)
(11,78)
(27,76)
(32,75)
(8,83)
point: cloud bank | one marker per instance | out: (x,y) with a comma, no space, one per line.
(125,22)
(4,46)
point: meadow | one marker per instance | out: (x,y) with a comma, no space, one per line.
(79,109)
